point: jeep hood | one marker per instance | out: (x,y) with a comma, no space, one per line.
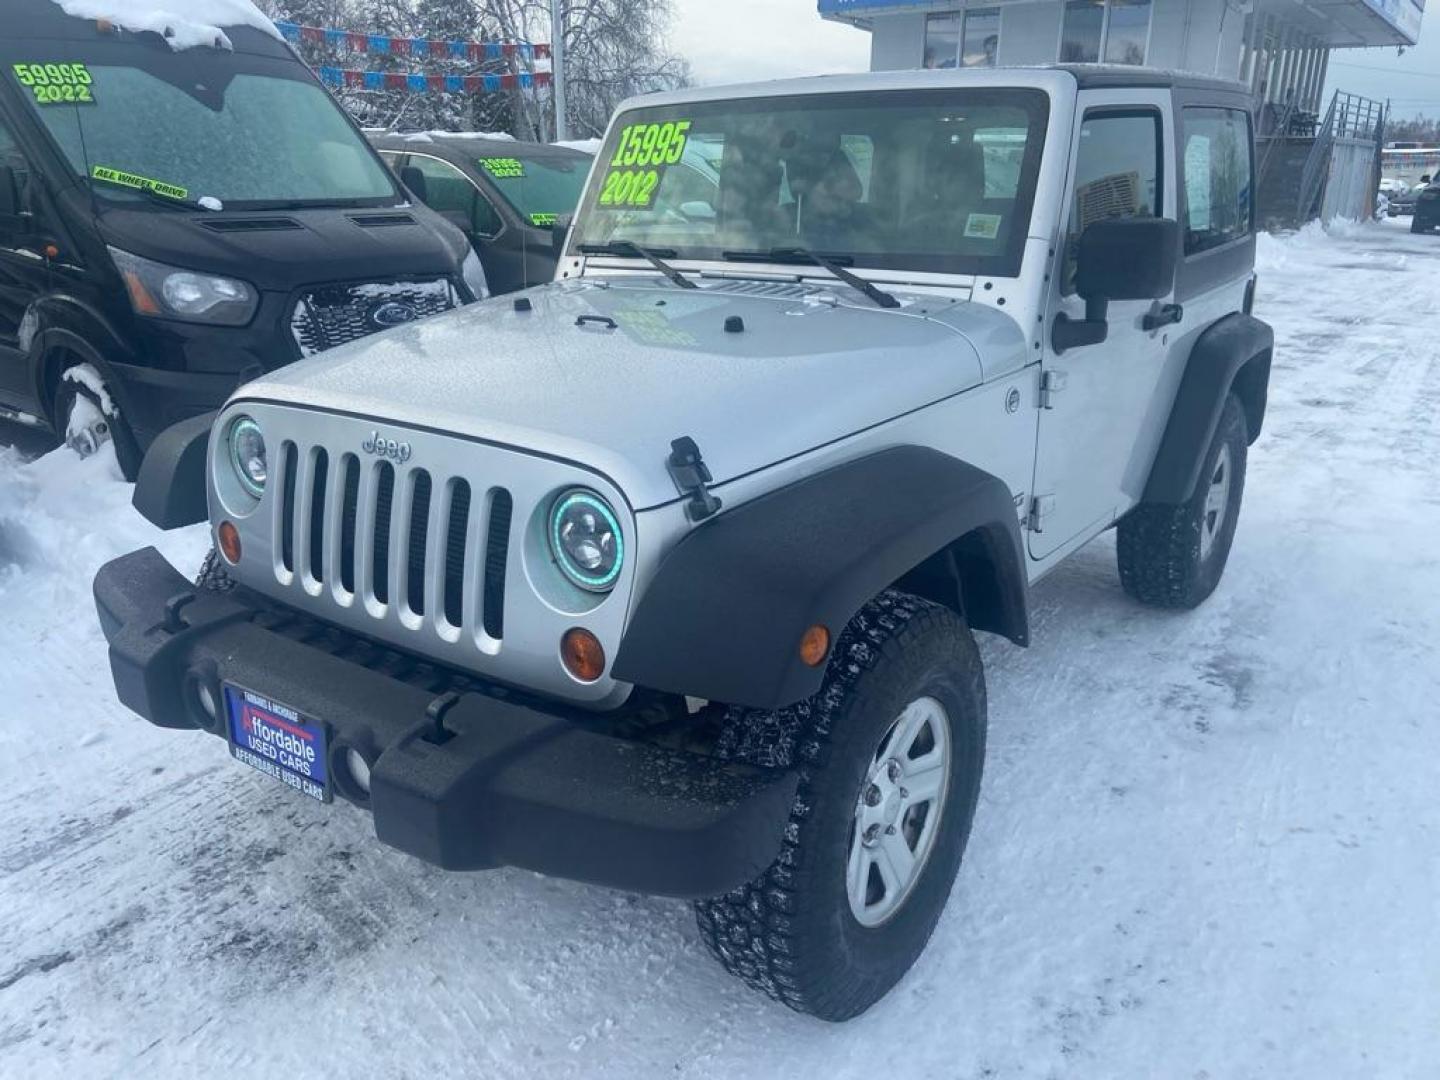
(607,373)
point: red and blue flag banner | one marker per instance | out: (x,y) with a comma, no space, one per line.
(389,45)
(417,82)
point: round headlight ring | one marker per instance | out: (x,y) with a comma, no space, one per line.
(576,501)
(247,447)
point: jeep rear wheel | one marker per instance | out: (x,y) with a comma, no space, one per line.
(1173,556)
(890,753)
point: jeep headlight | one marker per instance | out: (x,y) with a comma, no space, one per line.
(168,292)
(246,445)
(585,540)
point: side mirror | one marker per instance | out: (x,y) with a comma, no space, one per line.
(560,233)
(1119,259)
(9,192)
(414,179)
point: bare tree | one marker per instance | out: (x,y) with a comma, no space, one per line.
(613,50)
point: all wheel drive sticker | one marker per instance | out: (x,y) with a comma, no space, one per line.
(641,158)
(57,84)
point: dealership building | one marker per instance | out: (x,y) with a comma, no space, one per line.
(1279,47)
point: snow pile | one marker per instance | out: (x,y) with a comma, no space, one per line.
(189,23)
(585,146)
(431,136)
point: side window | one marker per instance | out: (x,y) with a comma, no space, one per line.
(1117,174)
(1218,199)
(448,190)
(11,157)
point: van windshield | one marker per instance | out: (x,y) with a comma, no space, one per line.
(929,180)
(241,129)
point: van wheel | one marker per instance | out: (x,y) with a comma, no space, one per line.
(890,753)
(1173,556)
(87,421)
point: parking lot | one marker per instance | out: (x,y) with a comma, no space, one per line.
(1205,848)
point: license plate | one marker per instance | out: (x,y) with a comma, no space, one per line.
(278,741)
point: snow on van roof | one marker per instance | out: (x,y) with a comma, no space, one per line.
(200,24)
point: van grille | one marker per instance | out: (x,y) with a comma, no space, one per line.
(337,314)
(371,530)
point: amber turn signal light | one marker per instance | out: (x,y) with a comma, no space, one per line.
(582,654)
(229,542)
(815,645)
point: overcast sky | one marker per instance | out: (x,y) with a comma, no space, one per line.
(741,40)
(1411,82)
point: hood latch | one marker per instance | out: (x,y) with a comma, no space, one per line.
(691,475)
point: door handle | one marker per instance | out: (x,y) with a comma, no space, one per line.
(1162,315)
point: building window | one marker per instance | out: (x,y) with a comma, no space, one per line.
(982,38)
(1127,28)
(1217,206)
(942,41)
(1084,26)
(1118,30)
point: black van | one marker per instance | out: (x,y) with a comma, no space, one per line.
(506,195)
(174,222)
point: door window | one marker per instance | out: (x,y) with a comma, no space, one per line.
(1217,207)
(1117,174)
(11,156)
(447,189)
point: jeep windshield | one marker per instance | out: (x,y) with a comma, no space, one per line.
(934,180)
(141,121)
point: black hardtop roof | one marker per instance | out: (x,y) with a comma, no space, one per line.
(45,19)
(463,149)
(1119,76)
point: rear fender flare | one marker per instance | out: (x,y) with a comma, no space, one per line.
(1233,354)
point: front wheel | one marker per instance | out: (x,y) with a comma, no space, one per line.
(87,418)
(890,753)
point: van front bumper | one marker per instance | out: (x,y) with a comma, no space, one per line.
(464,780)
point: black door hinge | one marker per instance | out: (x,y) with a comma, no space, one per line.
(687,468)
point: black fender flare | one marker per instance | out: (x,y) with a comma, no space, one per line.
(1234,353)
(171,491)
(723,617)
(67,322)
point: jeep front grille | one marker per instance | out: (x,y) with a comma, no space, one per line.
(385,534)
(336,314)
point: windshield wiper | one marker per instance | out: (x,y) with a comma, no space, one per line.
(155,197)
(832,263)
(654,256)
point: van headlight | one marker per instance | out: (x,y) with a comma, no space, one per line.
(169,292)
(585,540)
(246,445)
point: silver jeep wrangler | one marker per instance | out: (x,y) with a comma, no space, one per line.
(664,576)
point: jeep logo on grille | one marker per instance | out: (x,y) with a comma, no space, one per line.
(387,448)
(392,313)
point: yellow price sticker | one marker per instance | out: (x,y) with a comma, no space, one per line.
(503,168)
(140,183)
(57,84)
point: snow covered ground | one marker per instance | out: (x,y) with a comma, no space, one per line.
(1208,845)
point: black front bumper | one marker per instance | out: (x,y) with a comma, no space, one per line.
(466,781)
